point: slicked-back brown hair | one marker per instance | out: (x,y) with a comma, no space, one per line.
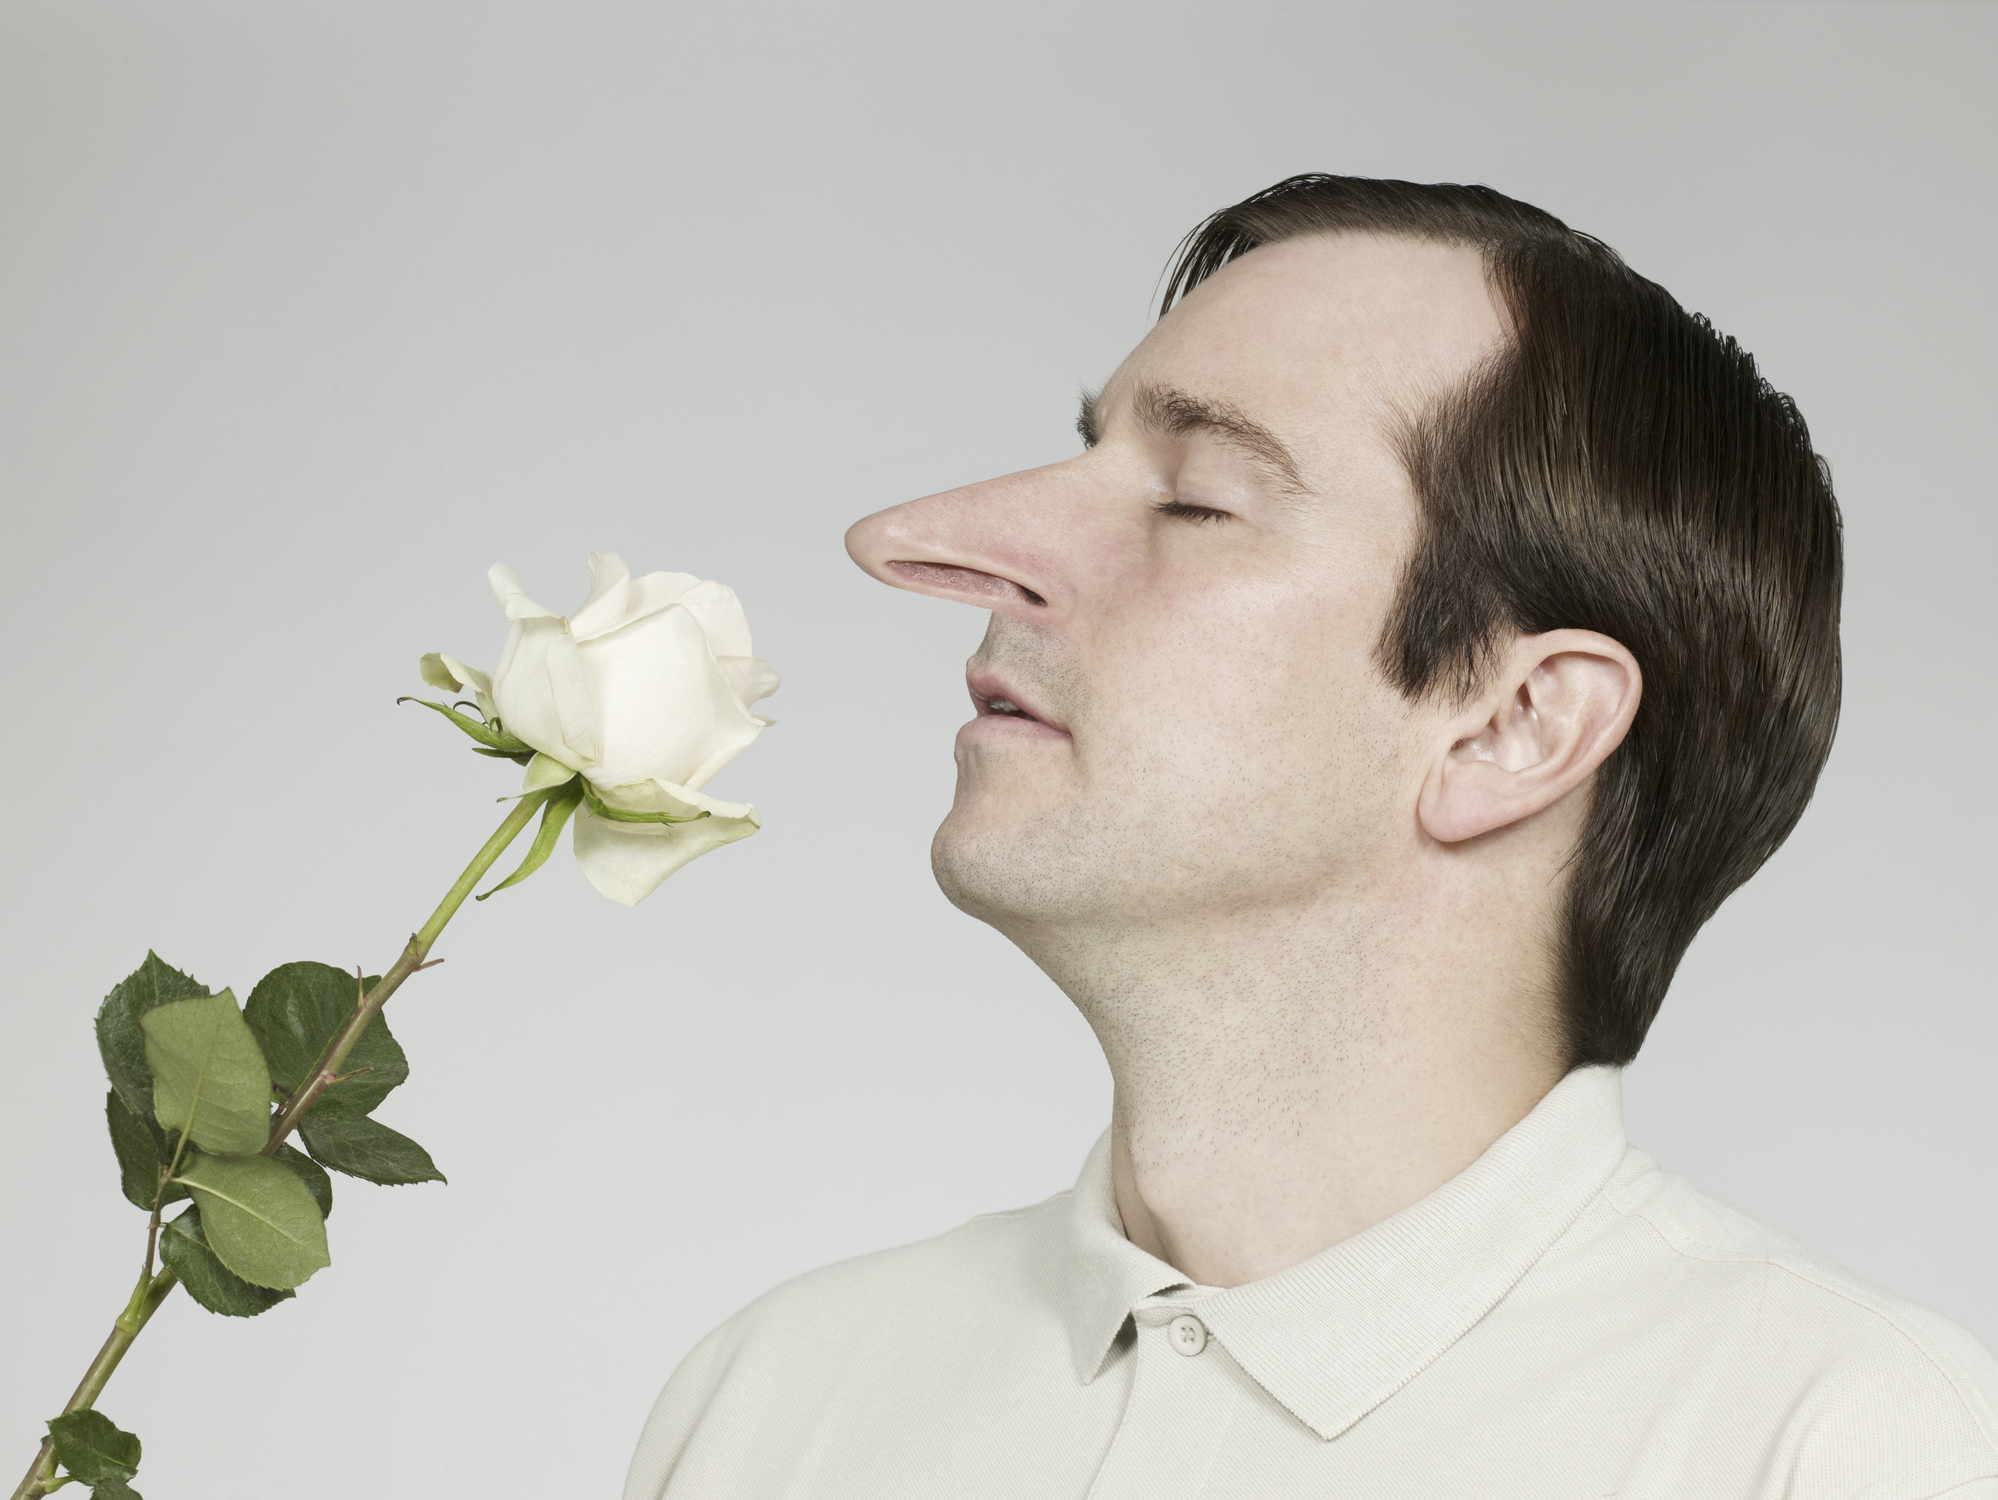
(1620,467)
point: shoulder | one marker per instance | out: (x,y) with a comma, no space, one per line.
(863,1333)
(1857,1359)
(995,1259)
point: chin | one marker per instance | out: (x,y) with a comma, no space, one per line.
(1010,875)
(1033,872)
(971,869)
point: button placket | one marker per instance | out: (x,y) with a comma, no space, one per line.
(1179,1409)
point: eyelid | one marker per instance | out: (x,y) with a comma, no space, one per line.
(1184,511)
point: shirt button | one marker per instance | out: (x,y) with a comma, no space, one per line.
(1187,1334)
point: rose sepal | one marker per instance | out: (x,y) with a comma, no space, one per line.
(498,741)
(625,815)
(562,801)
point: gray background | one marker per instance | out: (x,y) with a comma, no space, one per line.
(309,312)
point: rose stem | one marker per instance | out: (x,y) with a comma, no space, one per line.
(152,1292)
(328,1068)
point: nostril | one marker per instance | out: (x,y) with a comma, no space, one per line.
(943,576)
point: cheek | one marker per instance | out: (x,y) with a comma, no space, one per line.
(1250,645)
(1257,699)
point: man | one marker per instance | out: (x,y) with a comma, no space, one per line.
(1438,625)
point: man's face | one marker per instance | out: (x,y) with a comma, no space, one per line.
(1179,715)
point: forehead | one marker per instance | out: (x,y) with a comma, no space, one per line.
(1322,335)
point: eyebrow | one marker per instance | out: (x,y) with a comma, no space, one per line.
(1172,412)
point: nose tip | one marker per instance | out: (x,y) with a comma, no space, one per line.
(869,542)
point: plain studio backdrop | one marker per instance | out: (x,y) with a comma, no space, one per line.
(311,312)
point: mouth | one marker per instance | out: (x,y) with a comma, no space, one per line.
(998,700)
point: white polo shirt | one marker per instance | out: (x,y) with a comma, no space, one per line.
(1561,1319)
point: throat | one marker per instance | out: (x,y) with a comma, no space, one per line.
(1255,1126)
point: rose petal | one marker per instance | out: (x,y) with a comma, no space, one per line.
(524,689)
(569,685)
(512,597)
(720,613)
(628,861)
(751,678)
(437,674)
(638,598)
(655,591)
(666,711)
(607,606)
(453,676)
(652,795)
(471,677)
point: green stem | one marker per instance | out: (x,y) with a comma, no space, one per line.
(413,953)
(151,1293)
(159,1192)
(138,1312)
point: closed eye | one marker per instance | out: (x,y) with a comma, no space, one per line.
(1185,512)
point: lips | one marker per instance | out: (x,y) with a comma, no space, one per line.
(997,698)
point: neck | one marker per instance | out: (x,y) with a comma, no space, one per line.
(1292,1079)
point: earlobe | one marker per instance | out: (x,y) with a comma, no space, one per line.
(1560,707)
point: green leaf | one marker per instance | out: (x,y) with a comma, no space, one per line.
(518,757)
(485,734)
(350,1142)
(185,1251)
(209,1077)
(311,1174)
(619,815)
(296,1009)
(119,1039)
(142,1153)
(554,818)
(92,1448)
(114,1489)
(258,1217)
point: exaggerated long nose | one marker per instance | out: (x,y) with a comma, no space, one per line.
(1010,545)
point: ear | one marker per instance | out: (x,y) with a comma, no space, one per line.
(1562,703)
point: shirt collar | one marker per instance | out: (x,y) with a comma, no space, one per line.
(1333,1337)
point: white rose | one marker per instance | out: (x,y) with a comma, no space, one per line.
(645,690)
